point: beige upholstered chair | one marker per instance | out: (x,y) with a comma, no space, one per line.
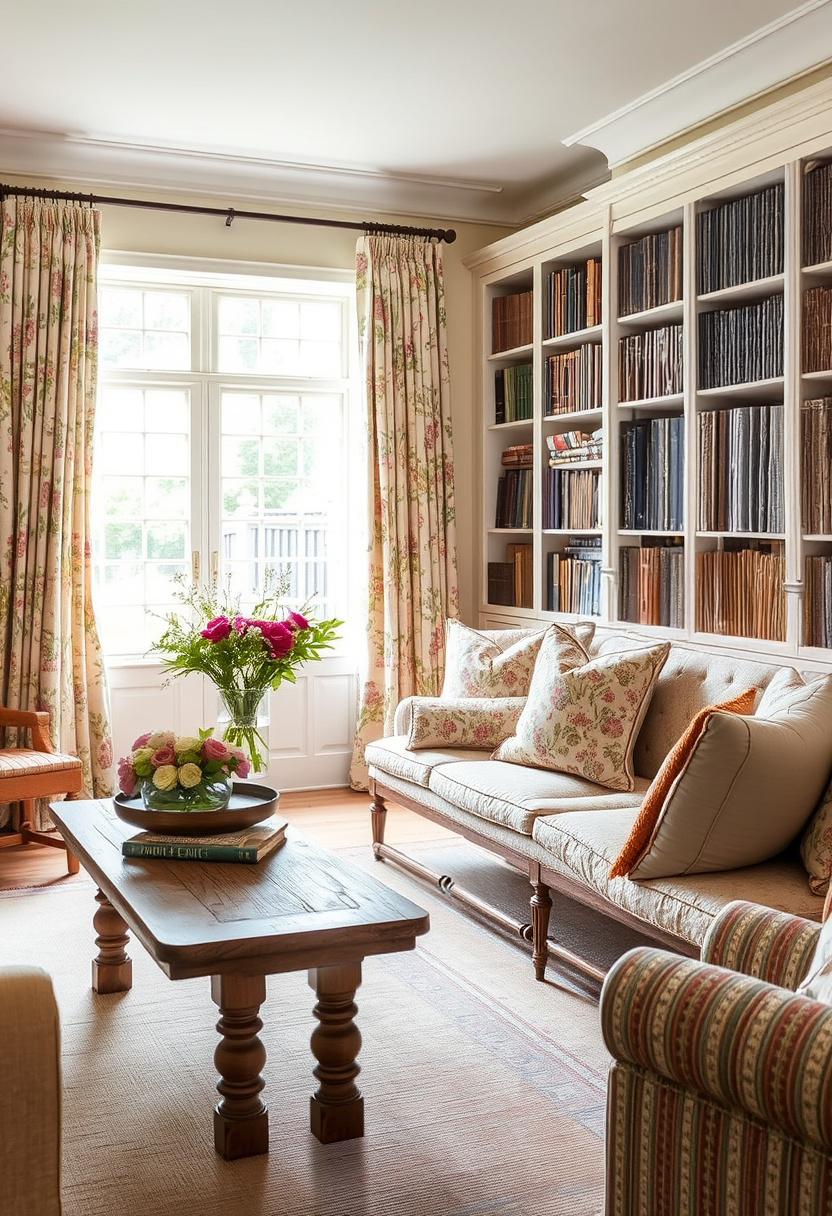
(27,773)
(30,1094)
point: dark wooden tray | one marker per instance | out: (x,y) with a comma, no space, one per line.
(249,804)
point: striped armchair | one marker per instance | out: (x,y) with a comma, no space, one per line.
(719,1100)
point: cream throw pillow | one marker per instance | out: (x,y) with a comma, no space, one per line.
(585,720)
(747,788)
(477,665)
(475,722)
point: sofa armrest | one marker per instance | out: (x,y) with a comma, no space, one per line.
(769,945)
(738,1041)
(404,716)
(30,1095)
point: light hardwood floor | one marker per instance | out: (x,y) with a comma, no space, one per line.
(337,819)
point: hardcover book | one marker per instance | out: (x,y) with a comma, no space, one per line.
(250,845)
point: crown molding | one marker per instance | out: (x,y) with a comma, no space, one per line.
(784,49)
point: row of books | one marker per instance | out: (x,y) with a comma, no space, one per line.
(817,602)
(513,393)
(511,321)
(573,298)
(652,474)
(652,585)
(741,240)
(817,213)
(568,446)
(572,498)
(741,593)
(817,461)
(650,364)
(650,272)
(510,583)
(514,499)
(573,577)
(741,345)
(518,456)
(572,380)
(817,329)
(741,469)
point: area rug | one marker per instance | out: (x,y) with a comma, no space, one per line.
(484,1090)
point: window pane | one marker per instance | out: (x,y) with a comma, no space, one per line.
(144,329)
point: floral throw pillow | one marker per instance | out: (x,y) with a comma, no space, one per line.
(477,666)
(585,720)
(475,722)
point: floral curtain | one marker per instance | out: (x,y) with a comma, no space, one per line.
(412,536)
(51,657)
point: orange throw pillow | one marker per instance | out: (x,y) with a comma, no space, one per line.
(641,832)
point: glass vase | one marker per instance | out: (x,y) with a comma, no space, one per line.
(243,721)
(212,794)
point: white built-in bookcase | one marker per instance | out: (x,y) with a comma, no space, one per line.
(773,146)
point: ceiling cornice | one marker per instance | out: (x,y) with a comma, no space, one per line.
(784,49)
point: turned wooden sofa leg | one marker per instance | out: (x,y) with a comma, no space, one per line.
(378,816)
(541,906)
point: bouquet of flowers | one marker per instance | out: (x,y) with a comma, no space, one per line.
(188,770)
(243,655)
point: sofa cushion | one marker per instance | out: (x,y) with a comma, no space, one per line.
(584,845)
(462,722)
(514,797)
(585,720)
(392,757)
(784,680)
(499,663)
(747,789)
(816,845)
(660,788)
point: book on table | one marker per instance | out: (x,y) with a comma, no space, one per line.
(249,845)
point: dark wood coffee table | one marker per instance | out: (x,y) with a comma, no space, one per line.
(300,908)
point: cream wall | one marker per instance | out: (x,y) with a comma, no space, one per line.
(137,230)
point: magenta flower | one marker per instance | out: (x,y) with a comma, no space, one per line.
(241,624)
(279,637)
(299,622)
(217,629)
(140,742)
(163,756)
(126,776)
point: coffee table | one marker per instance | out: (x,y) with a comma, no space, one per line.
(301,908)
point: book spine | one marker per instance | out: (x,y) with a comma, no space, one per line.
(184,852)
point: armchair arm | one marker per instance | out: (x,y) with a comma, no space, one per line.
(769,945)
(738,1041)
(34,720)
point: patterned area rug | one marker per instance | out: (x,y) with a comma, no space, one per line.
(484,1091)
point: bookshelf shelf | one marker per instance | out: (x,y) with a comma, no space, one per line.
(519,424)
(741,522)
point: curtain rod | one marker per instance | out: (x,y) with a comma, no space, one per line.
(440,234)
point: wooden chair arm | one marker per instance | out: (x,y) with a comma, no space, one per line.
(37,721)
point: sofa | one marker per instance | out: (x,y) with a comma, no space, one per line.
(566,832)
(30,1094)
(719,1097)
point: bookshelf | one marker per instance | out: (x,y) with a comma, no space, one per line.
(680,364)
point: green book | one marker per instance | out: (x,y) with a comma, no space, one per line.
(250,845)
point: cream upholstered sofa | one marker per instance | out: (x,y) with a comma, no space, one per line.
(565,832)
(30,1094)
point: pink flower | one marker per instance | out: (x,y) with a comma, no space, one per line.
(214,749)
(163,756)
(243,767)
(126,776)
(217,629)
(295,619)
(140,742)
(241,624)
(279,637)
(612,727)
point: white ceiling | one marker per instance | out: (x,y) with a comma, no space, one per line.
(456,109)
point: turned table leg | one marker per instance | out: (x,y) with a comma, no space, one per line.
(378,816)
(336,1110)
(241,1118)
(541,905)
(112,970)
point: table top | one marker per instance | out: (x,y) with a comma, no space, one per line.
(299,907)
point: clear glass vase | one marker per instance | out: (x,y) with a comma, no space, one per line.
(243,721)
(212,794)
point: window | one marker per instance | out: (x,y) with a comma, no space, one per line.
(222,441)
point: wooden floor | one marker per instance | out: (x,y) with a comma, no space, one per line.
(337,819)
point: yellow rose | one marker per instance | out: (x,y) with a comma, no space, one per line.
(186,744)
(162,738)
(142,755)
(190,775)
(165,778)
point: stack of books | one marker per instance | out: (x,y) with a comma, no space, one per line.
(652,475)
(817,461)
(741,345)
(741,469)
(511,321)
(573,577)
(571,498)
(572,380)
(817,329)
(817,213)
(652,584)
(741,592)
(513,393)
(249,845)
(650,364)
(650,272)
(573,298)
(740,241)
(566,447)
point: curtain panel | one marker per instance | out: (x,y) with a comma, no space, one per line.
(51,656)
(412,533)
